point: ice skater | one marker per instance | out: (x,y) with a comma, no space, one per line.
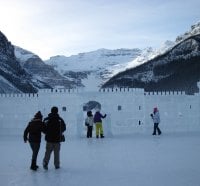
(156,120)
(32,133)
(89,122)
(98,122)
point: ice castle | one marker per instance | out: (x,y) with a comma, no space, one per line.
(128,109)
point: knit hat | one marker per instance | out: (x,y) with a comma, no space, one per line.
(38,115)
(54,110)
(89,113)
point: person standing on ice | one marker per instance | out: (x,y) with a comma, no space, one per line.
(156,120)
(89,122)
(55,126)
(32,133)
(98,122)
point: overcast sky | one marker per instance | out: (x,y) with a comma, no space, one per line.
(66,27)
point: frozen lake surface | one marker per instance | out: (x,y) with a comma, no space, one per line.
(141,160)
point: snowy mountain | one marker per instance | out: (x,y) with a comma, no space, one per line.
(148,54)
(23,71)
(177,69)
(93,68)
(174,67)
(41,71)
(194,30)
(13,78)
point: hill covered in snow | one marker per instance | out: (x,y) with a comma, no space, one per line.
(176,69)
(93,68)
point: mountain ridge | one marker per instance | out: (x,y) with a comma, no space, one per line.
(164,71)
(13,78)
(41,71)
(24,71)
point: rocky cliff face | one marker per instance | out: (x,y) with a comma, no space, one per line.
(41,71)
(13,78)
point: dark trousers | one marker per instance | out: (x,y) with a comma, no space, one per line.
(89,131)
(156,128)
(35,149)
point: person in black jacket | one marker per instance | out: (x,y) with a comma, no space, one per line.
(89,122)
(55,126)
(32,133)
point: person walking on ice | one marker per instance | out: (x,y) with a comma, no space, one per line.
(32,133)
(98,123)
(54,128)
(156,120)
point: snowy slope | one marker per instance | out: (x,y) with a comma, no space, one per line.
(194,30)
(103,64)
(41,72)
(94,60)
(23,55)
(148,54)
(100,64)
(174,67)
(7,87)
(177,69)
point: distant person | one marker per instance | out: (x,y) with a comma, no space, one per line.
(156,120)
(98,123)
(89,122)
(55,126)
(32,133)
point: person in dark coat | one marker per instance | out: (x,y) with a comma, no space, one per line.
(32,133)
(98,122)
(89,122)
(55,126)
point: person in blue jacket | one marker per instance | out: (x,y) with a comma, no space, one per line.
(98,123)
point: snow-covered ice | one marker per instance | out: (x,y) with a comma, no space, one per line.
(171,159)
(129,155)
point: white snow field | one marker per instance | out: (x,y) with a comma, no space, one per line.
(128,156)
(171,159)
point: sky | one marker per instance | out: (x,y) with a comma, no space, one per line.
(68,27)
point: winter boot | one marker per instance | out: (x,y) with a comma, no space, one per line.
(102,136)
(33,165)
(45,165)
